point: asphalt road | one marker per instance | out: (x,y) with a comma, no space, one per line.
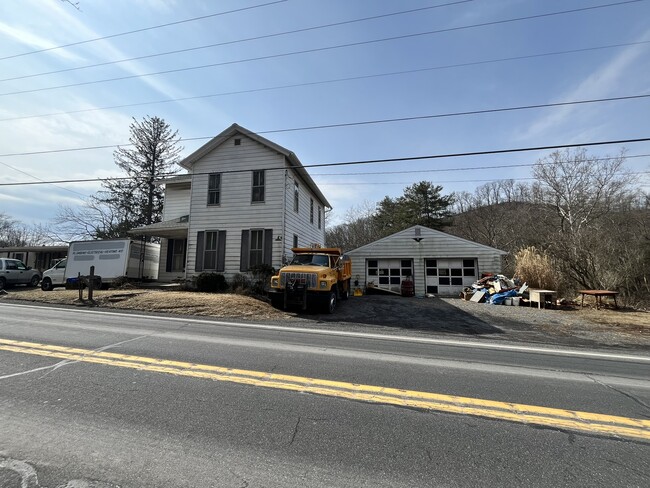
(253,405)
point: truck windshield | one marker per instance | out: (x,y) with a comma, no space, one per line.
(311,259)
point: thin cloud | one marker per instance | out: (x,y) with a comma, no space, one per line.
(34,41)
(105,49)
(605,81)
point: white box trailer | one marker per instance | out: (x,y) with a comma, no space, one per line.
(112,259)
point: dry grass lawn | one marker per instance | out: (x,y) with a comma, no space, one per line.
(178,302)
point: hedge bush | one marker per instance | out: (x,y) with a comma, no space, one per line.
(211,283)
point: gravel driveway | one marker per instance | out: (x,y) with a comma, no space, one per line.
(454,317)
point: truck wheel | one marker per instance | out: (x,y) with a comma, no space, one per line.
(277,302)
(345,294)
(3,283)
(34,281)
(330,306)
(46,285)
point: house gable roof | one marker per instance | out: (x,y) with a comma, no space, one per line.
(292,160)
(410,232)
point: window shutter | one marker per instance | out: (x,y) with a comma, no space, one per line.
(268,247)
(200,236)
(221,251)
(170,254)
(245,249)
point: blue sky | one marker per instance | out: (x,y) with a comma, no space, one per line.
(430,87)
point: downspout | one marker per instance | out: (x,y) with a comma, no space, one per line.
(284,213)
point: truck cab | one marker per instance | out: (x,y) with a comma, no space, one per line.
(316,278)
(55,276)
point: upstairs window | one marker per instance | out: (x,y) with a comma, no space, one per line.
(311,210)
(258,186)
(319,218)
(296,197)
(214,189)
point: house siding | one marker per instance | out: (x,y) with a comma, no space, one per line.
(177,201)
(298,223)
(236,211)
(434,244)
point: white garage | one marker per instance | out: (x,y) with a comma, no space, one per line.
(436,262)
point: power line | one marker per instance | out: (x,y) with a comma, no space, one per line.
(43,181)
(479,153)
(358,123)
(237,41)
(336,80)
(370,161)
(471,168)
(327,48)
(111,36)
(458,114)
(367,183)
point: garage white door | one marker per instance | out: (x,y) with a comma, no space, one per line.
(387,274)
(449,276)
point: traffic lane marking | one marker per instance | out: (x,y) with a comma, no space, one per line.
(546,416)
(365,335)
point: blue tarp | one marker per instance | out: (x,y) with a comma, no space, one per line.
(499,298)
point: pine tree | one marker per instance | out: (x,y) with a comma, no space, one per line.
(153,153)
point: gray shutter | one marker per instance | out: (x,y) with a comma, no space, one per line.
(200,236)
(221,251)
(245,250)
(170,255)
(268,247)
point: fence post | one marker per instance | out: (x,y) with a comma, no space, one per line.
(81,287)
(91,283)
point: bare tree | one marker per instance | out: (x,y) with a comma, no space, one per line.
(357,230)
(93,220)
(133,200)
(582,188)
(587,194)
(14,233)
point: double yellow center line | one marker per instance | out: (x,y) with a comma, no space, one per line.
(593,423)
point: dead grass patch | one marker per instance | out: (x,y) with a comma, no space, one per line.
(178,302)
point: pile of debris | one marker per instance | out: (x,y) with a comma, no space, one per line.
(496,290)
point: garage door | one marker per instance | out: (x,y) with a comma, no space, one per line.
(449,276)
(387,274)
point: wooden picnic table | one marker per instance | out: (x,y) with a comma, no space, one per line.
(599,294)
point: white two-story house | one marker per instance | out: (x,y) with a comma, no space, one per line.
(245,201)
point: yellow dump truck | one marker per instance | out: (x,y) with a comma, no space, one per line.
(316,278)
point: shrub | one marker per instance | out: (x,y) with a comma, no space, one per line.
(261,278)
(240,283)
(186,284)
(211,283)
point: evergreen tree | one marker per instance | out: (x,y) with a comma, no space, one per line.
(136,200)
